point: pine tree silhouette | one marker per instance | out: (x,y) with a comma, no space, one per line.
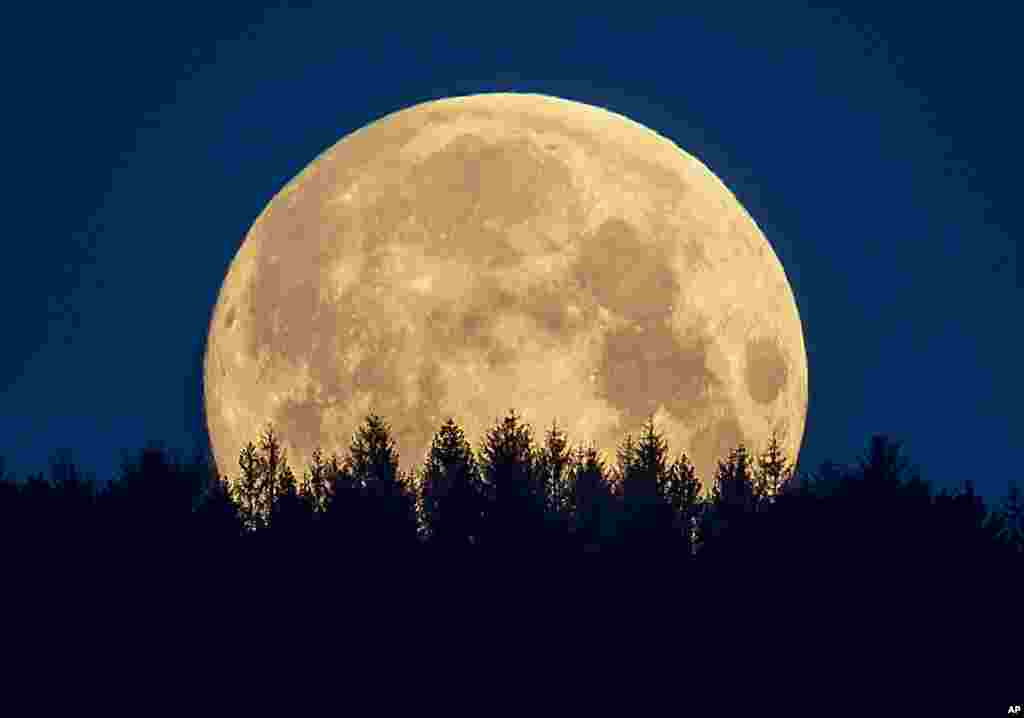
(247,490)
(291,515)
(681,491)
(154,494)
(317,482)
(876,495)
(594,517)
(277,476)
(387,511)
(554,468)
(1013,511)
(72,500)
(514,517)
(882,467)
(772,473)
(340,521)
(644,473)
(453,494)
(216,520)
(9,505)
(838,532)
(728,520)
(733,487)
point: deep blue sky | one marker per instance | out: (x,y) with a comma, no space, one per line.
(876,145)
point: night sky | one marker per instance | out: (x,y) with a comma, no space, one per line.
(872,144)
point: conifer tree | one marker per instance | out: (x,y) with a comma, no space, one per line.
(291,512)
(9,505)
(264,477)
(554,476)
(734,480)
(278,478)
(387,506)
(216,519)
(878,495)
(1012,532)
(732,498)
(625,454)
(645,474)
(681,490)
(247,489)
(341,515)
(827,480)
(452,493)
(372,456)
(882,467)
(316,482)
(594,516)
(515,504)
(140,502)
(772,472)
(67,509)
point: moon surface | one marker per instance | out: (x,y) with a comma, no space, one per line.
(470,255)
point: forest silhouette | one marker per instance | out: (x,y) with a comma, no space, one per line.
(524,511)
(522,551)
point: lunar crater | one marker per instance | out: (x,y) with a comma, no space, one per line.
(766,370)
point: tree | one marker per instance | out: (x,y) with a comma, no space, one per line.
(317,482)
(247,490)
(883,466)
(964,513)
(72,498)
(216,519)
(154,494)
(827,479)
(643,468)
(681,490)
(595,511)
(265,477)
(732,499)
(1013,518)
(878,520)
(341,517)
(554,476)
(387,505)
(452,492)
(8,505)
(278,478)
(291,513)
(372,457)
(515,504)
(734,483)
(772,473)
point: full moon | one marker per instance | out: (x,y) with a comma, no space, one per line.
(471,255)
